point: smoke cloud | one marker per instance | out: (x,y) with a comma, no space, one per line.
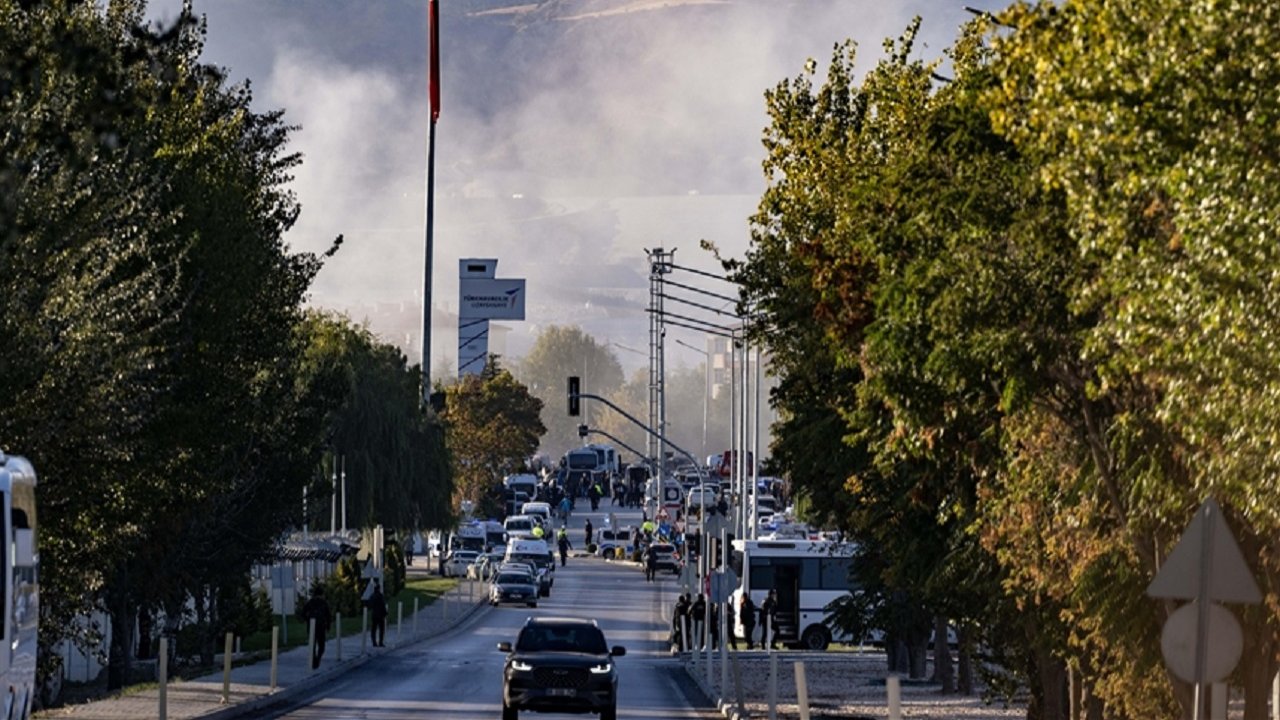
(573,135)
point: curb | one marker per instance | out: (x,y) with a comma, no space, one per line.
(724,707)
(294,690)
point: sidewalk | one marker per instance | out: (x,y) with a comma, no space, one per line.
(251,684)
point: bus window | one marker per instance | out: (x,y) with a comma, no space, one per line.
(811,574)
(762,575)
(835,573)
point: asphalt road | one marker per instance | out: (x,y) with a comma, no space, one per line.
(459,675)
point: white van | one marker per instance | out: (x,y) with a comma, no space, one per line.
(519,527)
(538,554)
(539,510)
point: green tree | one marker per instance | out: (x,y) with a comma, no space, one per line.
(493,429)
(394,455)
(558,353)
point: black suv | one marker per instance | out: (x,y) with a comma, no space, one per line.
(560,665)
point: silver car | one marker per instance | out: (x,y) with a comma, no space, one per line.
(513,586)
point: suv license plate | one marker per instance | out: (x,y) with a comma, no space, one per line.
(561,692)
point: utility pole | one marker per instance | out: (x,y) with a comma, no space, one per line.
(433,32)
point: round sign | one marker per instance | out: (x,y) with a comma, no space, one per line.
(1224,643)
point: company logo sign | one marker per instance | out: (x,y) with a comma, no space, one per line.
(491,299)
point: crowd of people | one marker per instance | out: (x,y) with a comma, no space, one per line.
(692,617)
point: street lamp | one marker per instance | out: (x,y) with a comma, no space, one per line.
(706,394)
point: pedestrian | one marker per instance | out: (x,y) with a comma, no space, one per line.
(317,609)
(593,494)
(565,507)
(768,613)
(650,563)
(562,541)
(698,614)
(679,621)
(590,533)
(747,613)
(378,614)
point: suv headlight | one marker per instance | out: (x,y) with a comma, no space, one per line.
(521,666)
(602,668)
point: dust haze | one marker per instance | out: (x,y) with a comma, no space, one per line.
(573,135)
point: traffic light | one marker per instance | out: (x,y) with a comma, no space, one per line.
(583,431)
(575,405)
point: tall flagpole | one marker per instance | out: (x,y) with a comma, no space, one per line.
(433,31)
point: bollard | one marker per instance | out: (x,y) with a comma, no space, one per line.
(724,661)
(415,616)
(684,635)
(364,629)
(162,673)
(773,686)
(338,639)
(894,686)
(737,686)
(399,617)
(1275,697)
(802,691)
(710,655)
(275,654)
(226,669)
(311,639)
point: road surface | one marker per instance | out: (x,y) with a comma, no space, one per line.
(459,675)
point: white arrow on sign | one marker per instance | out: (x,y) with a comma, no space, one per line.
(1229,578)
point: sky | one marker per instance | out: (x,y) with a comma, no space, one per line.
(573,136)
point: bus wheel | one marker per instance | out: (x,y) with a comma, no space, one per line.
(816,637)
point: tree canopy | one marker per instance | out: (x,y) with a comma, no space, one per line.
(1027,307)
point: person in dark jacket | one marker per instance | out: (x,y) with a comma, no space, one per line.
(590,532)
(650,563)
(731,632)
(768,612)
(378,615)
(317,609)
(697,618)
(747,611)
(680,620)
(562,542)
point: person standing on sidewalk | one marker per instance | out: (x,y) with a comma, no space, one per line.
(679,621)
(768,611)
(317,609)
(697,618)
(747,611)
(378,614)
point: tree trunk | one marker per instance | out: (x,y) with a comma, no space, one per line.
(966,660)
(120,652)
(943,669)
(1053,686)
(144,634)
(201,600)
(897,656)
(1257,669)
(918,652)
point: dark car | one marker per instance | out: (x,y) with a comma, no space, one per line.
(560,665)
(514,586)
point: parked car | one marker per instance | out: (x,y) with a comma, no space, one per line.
(702,496)
(515,586)
(610,540)
(458,561)
(487,564)
(667,558)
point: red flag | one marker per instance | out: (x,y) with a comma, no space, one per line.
(433,22)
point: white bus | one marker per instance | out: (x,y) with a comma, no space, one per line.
(21,603)
(806,574)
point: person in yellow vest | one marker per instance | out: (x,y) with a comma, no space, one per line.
(538,532)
